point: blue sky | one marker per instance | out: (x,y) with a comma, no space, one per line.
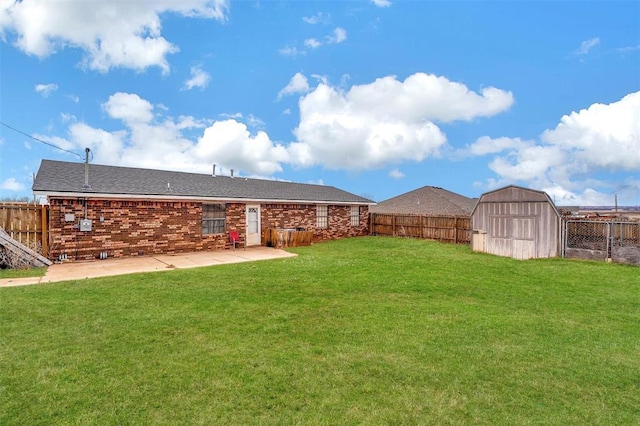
(374,97)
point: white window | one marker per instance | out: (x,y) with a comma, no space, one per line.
(355,216)
(322,216)
(213,219)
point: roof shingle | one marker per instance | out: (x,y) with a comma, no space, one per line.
(66,177)
(428,200)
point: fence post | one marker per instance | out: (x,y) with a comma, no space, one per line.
(455,232)
(44,236)
(609,224)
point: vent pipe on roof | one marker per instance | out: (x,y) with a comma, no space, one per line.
(86,168)
(231,172)
(214,171)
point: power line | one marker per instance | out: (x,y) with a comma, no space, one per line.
(40,140)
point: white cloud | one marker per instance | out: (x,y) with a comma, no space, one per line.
(75,99)
(339,35)
(11,184)
(381,3)
(254,121)
(297,84)
(428,96)
(46,89)
(151,139)
(602,136)
(66,117)
(291,51)
(600,139)
(373,125)
(396,174)
(628,49)
(317,18)
(312,43)
(586,46)
(129,108)
(111,34)
(486,145)
(321,78)
(230,143)
(385,122)
(199,78)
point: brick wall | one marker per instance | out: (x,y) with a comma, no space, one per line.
(304,216)
(134,227)
(143,227)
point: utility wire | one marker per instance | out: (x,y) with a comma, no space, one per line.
(40,140)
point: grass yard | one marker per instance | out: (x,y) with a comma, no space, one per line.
(361,331)
(22,273)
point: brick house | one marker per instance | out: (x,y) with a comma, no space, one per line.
(122,211)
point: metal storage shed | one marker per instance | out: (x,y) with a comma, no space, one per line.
(516,222)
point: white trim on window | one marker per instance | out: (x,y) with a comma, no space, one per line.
(355,216)
(322,216)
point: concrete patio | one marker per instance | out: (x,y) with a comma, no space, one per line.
(109,267)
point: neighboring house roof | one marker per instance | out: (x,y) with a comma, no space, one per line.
(428,200)
(59,178)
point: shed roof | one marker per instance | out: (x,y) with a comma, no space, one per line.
(59,178)
(428,200)
(515,194)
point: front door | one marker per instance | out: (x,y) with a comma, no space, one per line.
(253,225)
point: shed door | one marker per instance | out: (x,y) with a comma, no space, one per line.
(513,236)
(253,225)
(524,246)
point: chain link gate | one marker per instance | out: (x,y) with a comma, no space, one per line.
(599,240)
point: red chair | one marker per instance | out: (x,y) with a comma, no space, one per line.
(234,238)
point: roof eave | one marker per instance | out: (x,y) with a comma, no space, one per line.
(172,197)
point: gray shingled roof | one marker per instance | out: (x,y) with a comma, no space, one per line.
(61,177)
(428,200)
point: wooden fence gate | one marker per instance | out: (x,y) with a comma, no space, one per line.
(26,223)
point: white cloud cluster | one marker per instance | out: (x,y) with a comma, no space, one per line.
(199,78)
(385,122)
(602,138)
(356,129)
(149,139)
(112,34)
(46,89)
(339,35)
(318,18)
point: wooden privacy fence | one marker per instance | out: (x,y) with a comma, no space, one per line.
(452,229)
(279,238)
(27,224)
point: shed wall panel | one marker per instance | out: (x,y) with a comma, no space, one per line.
(518,223)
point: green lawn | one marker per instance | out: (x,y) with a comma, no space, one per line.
(360,331)
(22,273)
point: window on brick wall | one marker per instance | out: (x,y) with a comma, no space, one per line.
(213,219)
(322,216)
(355,216)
